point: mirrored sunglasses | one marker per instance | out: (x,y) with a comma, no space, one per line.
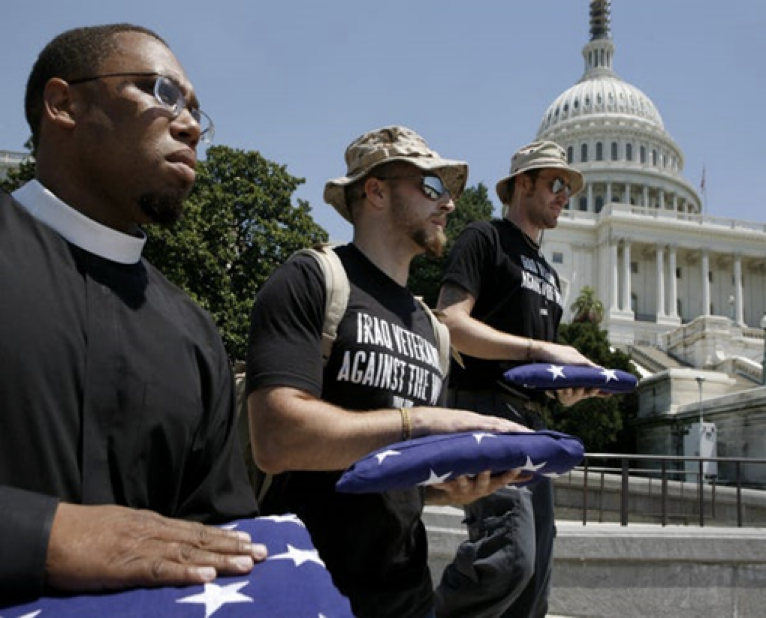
(432,186)
(558,185)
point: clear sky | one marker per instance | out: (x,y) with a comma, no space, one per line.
(298,80)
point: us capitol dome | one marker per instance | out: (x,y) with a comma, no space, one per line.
(606,124)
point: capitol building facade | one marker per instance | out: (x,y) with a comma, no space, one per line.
(684,293)
(638,233)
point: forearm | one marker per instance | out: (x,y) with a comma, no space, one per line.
(472,337)
(291,430)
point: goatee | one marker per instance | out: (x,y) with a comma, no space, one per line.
(165,209)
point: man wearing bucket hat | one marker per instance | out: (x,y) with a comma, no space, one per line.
(310,420)
(502,303)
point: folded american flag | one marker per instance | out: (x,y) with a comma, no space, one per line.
(545,376)
(439,458)
(291,583)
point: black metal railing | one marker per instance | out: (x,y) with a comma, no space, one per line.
(662,489)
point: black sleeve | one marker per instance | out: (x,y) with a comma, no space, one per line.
(26,519)
(218,489)
(285,343)
(468,258)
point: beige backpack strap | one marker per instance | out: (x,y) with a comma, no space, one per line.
(338,291)
(441,332)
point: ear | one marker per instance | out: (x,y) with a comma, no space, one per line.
(375,190)
(57,103)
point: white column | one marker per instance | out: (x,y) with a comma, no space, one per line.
(662,199)
(614,278)
(608,192)
(626,276)
(591,205)
(627,193)
(645,197)
(660,281)
(705,265)
(673,291)
(739,313)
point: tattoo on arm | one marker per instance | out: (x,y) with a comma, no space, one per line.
(451,295)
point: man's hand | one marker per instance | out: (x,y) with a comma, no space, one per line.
(570,396)
(466,489)
(427,421)
(112,547)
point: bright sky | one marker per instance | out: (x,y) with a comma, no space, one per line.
(298,80)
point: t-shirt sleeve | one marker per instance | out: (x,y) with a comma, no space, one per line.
(285,342)
(468,257)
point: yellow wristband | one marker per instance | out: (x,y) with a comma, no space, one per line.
(406,424)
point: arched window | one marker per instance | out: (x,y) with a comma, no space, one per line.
(584,153)
(570,154)
(628,152)
(583,203)
(599,151)
(642,154)
(654,157)
(614,151)
(599,203)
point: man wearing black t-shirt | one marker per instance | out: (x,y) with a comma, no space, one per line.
(502,303)
(381,384)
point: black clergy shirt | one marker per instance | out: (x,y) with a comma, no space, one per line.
(115,387)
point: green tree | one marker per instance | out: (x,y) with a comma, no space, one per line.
(426,272)
(18,176)
(239,224)
(603,424)
(587,307)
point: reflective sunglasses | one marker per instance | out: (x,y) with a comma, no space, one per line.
(558,184)
(168,94)
(432,186)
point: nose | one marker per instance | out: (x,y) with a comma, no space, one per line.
(447,205)
(187,128)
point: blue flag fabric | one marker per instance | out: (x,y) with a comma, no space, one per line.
(291,583)
(439,458)
(545,376)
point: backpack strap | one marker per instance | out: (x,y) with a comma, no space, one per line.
(338,291)
(441,333)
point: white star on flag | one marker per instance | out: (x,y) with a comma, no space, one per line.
(557,371)
(480,436)
(215,597)
(610,374)
(285,519)
(298,556)
(382,456)
(434,478)
(531,467)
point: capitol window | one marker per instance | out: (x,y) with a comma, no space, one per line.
(599,151)
(557,257)
(584,153)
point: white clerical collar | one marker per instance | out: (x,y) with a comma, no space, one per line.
(77,228)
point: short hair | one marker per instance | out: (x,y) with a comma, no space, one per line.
(354,193)
(78,52)
(533,174)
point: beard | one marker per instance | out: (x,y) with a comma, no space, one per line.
(163,208)
(432,243)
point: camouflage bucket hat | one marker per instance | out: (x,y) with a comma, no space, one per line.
(394,143)
(539,155)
